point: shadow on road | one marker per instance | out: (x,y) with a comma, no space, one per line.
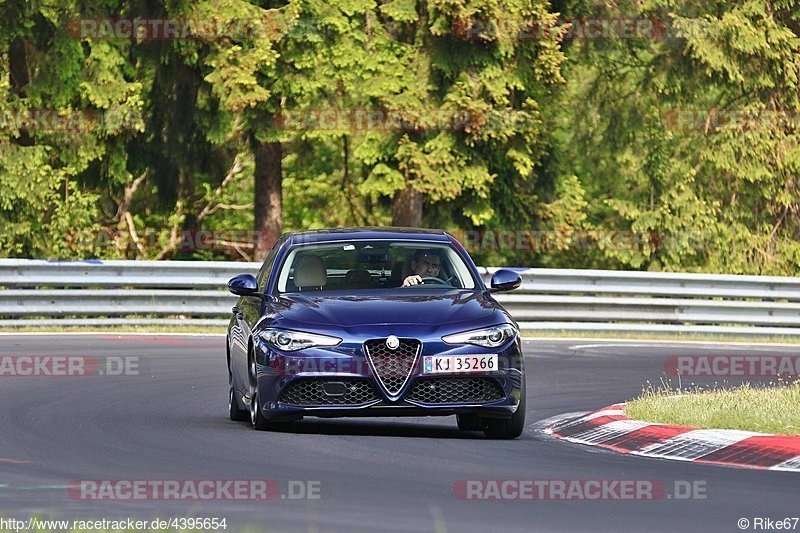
(376,427)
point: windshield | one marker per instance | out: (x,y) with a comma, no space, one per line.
(370,265)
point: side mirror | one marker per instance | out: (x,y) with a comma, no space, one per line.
(243,285)
(505,280)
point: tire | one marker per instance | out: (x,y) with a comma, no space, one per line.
(469,422)
(261,423)
(507,428)
(257,419)
(236,414)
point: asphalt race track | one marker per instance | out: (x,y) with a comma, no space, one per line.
(170,422)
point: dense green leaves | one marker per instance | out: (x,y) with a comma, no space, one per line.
(683,141)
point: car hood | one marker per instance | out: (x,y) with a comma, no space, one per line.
(347,311)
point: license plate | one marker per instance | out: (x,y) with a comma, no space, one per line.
(440,364)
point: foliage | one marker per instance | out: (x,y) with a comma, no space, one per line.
(684,140)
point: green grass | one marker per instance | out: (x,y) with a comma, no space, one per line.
(771,408)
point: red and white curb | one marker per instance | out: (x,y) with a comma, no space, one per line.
(609,428)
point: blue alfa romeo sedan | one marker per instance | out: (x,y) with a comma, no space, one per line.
(374,322)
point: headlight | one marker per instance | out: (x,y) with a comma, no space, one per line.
(489,337)
(291,341)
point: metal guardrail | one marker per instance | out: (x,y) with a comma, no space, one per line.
(166,292)
(19,273)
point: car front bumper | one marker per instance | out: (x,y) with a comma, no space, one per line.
(278,372)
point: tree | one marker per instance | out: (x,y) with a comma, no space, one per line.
(67,107)
(646,127)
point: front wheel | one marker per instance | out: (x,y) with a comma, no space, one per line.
(256,416)
(507,428)
(257,419)
(234,411)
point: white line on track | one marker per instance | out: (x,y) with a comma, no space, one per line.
(105,333)
(747,347)
(647,342)
(541,424)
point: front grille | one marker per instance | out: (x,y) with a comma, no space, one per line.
(305,392)
(392,367)
(455,390)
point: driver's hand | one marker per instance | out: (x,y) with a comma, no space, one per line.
(412,280)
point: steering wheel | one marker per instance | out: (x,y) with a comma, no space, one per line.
(433,279)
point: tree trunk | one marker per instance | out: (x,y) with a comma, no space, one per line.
(268,198)
(407,208)
(19,80)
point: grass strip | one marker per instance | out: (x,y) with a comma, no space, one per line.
(769,408)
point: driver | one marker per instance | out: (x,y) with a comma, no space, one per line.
(425,263)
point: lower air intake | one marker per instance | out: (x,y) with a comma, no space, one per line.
(312,392)
(455,390)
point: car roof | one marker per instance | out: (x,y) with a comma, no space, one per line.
(368,233)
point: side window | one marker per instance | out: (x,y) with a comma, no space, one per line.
(266,268)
